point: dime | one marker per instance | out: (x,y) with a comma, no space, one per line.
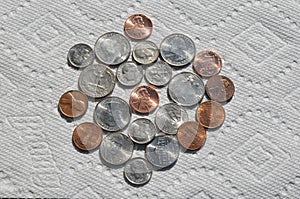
(112,114)
(138,171)
(73,104)
(142,131)
(81,55)
(138,26)
(207,63)
(145,52)
(186,89)
(159,74)
(112,48)
(129,74)
(177,50)
(169,117)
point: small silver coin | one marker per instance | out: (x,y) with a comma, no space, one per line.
(81,55)
(169,117)
(142,131)
(159,74)
(129,74)
(163,151)
(116,148)
(145,52)
(186,89)
(97,81)
(112,114)
(138,171)
(112,48)
(177,50)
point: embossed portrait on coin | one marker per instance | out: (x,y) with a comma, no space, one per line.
(129,72)
(112,50)
(177,50)
(116,145)
(143,99)
(110,116)
(138,132)
(145,53)
(79,55)
(138,170)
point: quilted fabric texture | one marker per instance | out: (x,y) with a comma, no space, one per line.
(255,154)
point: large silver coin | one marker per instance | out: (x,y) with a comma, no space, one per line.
(159,74)
(112,114)
(169,117)
(177,50)
(81,55)
(129,74)
(112,48)
(142,131)
(145,52)
(97,81)
(138,171)
(186,89)
(116,148)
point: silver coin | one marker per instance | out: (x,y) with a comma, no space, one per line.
(81,55)
(129,74)
(97,81)
(159,74)
(177,50)
(116,148)
(138,171)
(142,131)
(169,117)
(145,52)
(186,89)
(163,151)
(112,114)
(112,48)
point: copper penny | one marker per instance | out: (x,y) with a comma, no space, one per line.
(219,88)
(207,63)
(191,135)
(210,114)
(87,136)
(73,104)
(144,99)
(138,26)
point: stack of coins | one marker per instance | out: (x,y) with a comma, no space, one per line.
(172,129)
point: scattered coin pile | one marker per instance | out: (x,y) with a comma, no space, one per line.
(171,129)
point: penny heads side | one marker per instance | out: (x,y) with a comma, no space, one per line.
(207,63)
(138,27)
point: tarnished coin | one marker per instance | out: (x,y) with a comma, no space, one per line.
(138,26)
(81,55)
(112,48)
(112,114)
(163,151)
(186,89)
(87,136)
(210,114)
(207,63)
(116,148)
(177,50)
(73,104)
(142,131)
(97,81)
(129,74)
(159,74)
(145,52)
(169,117)
(138,171)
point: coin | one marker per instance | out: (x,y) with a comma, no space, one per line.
(177,50)
(210,114)
(186,89)
(138,26)
(207,63)
(144,99)
(73,104)
(81,55)
(219,88)
(112,114)
(112,48)
(87,136)
(138,171)
(159,74)
(163,151)
(145,52)
(142,131)
(97,81)
(191,135)
(169,117)
(129,74)
(116,149)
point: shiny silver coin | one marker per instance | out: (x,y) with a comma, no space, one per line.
(169,117)
(81,55)
(142,131)
(138,171)
(129,74)
(116,149)
(145,52)
(112,48)
(186,89)
(177,50)
(97,81)
(159,74)
(112,114)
